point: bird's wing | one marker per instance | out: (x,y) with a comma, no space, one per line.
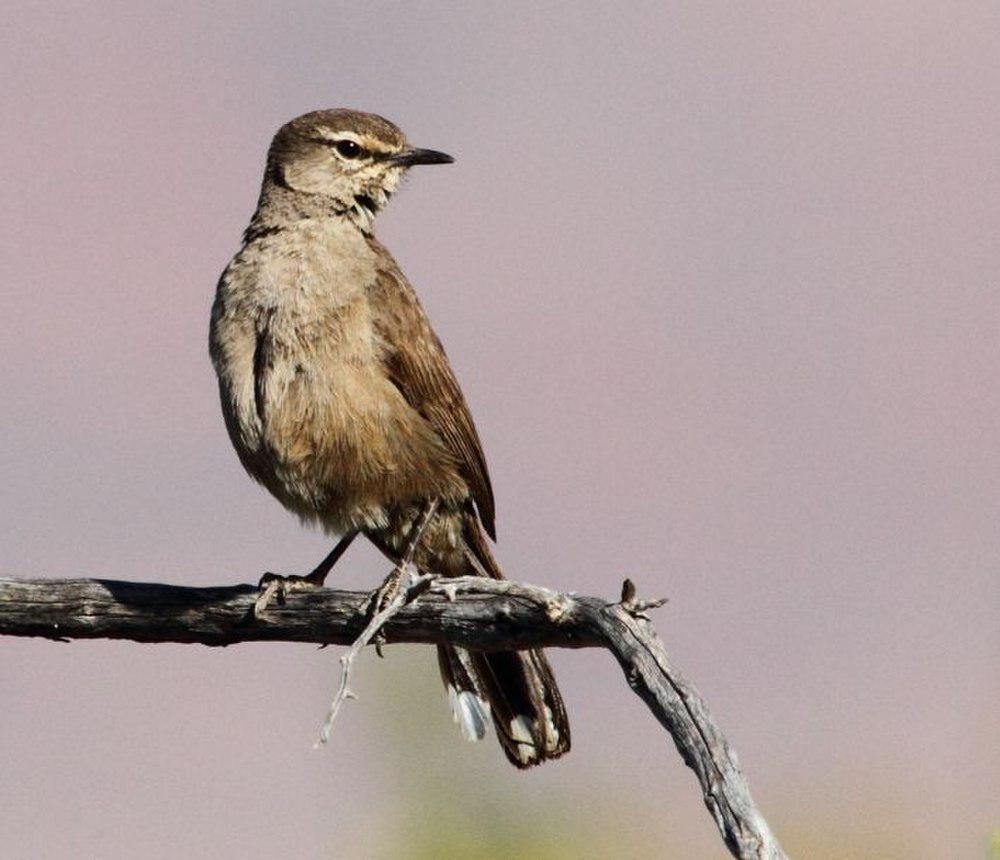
(417,365)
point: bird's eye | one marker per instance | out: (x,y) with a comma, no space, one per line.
(348,148)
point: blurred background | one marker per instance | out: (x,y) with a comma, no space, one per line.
(720,282)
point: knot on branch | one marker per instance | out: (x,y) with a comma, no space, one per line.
(635,607)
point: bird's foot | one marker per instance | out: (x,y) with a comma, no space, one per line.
(273,588)
(383,596)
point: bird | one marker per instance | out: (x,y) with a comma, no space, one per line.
(340,400)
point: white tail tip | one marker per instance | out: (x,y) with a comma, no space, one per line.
(471,713)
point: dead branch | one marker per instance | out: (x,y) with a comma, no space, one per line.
(471,612)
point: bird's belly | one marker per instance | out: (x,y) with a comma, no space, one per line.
(342,445)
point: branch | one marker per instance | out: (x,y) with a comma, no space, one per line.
(471,612)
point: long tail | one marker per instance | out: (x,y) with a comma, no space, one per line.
(516,688)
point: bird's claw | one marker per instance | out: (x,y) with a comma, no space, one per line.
(274,587)
(401,578)
(386,592)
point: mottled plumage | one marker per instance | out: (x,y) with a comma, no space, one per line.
(340,400)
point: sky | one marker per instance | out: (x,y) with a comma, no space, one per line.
(720,283)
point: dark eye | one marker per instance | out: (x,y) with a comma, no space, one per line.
(348,148)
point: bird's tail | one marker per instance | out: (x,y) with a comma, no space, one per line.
(515,688)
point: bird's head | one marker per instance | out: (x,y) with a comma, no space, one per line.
(355,159)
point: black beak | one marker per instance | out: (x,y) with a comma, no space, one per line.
(409,157)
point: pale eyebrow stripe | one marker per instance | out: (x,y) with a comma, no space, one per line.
(377,154)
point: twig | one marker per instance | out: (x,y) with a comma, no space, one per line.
(386,602)
(415,586)
(635,607)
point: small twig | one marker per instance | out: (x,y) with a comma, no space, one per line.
(635,607)
(415,587)
(398,597)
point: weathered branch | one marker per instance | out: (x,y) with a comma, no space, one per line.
(473,612)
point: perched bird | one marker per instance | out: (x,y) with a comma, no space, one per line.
(340,400)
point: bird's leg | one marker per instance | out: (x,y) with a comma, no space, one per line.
(275,585)
(389,589)
(318,574)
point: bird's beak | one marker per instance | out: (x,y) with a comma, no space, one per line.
(409,157)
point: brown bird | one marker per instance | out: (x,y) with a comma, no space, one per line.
(340,400)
